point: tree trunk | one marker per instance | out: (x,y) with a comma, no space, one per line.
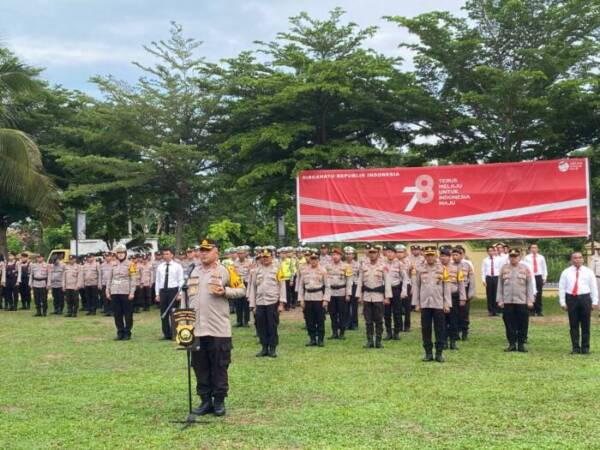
(3,242)
(178,233)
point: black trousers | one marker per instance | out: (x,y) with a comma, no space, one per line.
(40,296)
(242,310)
(579,308)
(463,315)
(452,318)
(539,285)
(315,319)
(10,296)
(406,308)
(435,317)
(338,311)
(267,319)
(491,290)
(289,292)
(82,297)
(91,298)
(211,357)
(72,299)
(166,297)
(123,312)
(106,306)
(25,292)
(373,313)
(516,322)
(352,322)
(58,299)
(394,309)
(145,293)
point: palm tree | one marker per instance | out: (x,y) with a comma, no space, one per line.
(23,184)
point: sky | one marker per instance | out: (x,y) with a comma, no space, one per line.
(74,40)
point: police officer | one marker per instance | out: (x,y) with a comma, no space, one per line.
(39,279)
(449,257)
(515,296)
(431,296)
(267,296)
(120,290)
(287,271)
(145,273)
(354,266)
(210,288)
(72,282)
(313,293)
(339,277)
(406,300)
(373,291)
(10,282)
(91,283)
(105,270)
(398,280)
(242,267)
(57,273)
(469,282)
(324,256)
(24,286)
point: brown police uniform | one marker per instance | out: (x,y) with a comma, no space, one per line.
(373,287)
(39,280)
(313,294)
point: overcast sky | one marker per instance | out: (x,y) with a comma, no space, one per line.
(76,39)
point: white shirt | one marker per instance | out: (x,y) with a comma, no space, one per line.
(586,284)
(542,269)
(486,266)
(175,275)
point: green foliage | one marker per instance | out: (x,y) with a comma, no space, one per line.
(225,232)
(14,244)
(58,237)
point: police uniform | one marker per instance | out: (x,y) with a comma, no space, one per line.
(354,266)
(398,280)
(145,276)
(105,270)
(406,300)
(72,282)
(39,280)
(464,308)
(431,296)
(314,295)
(120,287)
(10,283)
(242,267)
(515,296)
(339,277)
(24,286)
(91,284)
(373,289)
(267,292)
(57,273)
(455,277)
(211,351)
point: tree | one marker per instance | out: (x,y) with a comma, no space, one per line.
(516,80)
(24,188)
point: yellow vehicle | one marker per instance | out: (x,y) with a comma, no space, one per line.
(60,253)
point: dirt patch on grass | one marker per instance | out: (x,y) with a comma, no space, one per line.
(88,338)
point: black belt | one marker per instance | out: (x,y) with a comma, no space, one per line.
(380,289)
(339,286)
(40,279)
(321,289)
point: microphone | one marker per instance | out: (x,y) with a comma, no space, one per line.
(189,271)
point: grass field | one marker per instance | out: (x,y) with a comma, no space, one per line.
(64,383)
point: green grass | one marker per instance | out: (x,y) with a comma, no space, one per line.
(64,383)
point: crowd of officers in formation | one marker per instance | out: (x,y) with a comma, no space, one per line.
(389,281)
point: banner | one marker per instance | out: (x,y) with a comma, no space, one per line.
(538,199)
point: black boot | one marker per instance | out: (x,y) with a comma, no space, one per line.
(396,336)
(465,336)
(312,342)
(388,336)
(575,351)
(334,335)
(321,341)
(522,348)
(37,313)
(511,348)
(427,357)
(205,407)
(219,405)
(378,343)
(369,343)
(273,351)
(263,352)
(453,345)
(341,335)
(439,357)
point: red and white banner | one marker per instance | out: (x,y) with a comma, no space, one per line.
(487,201)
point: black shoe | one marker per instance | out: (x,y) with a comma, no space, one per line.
(388,337)
(446,345)
(263,352)
(311,343)
(44,313)
(576,351)
(37,314)
(453,345)
(238,325)
(540,314)
(69,315)
(378,343)
(334,335)
(465,336)
(585,351)
(427,357)
(439,357)
(396,336)
(119,337)
(369,343)
(511,348)
(272,352)
(89,313)
(320,342)
(406,329)
(341,335)
(203,408)
(219,406)
(127,337)
(522,348)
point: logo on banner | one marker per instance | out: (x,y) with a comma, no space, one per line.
(422,192)
(563,166)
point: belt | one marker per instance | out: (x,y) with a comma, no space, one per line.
(339,286)
(311,290)
(380,289)
(40,279)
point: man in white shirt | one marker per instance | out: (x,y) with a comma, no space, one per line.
(596,266)
(169,278)
(537,264)
(490,268)
(577,294)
